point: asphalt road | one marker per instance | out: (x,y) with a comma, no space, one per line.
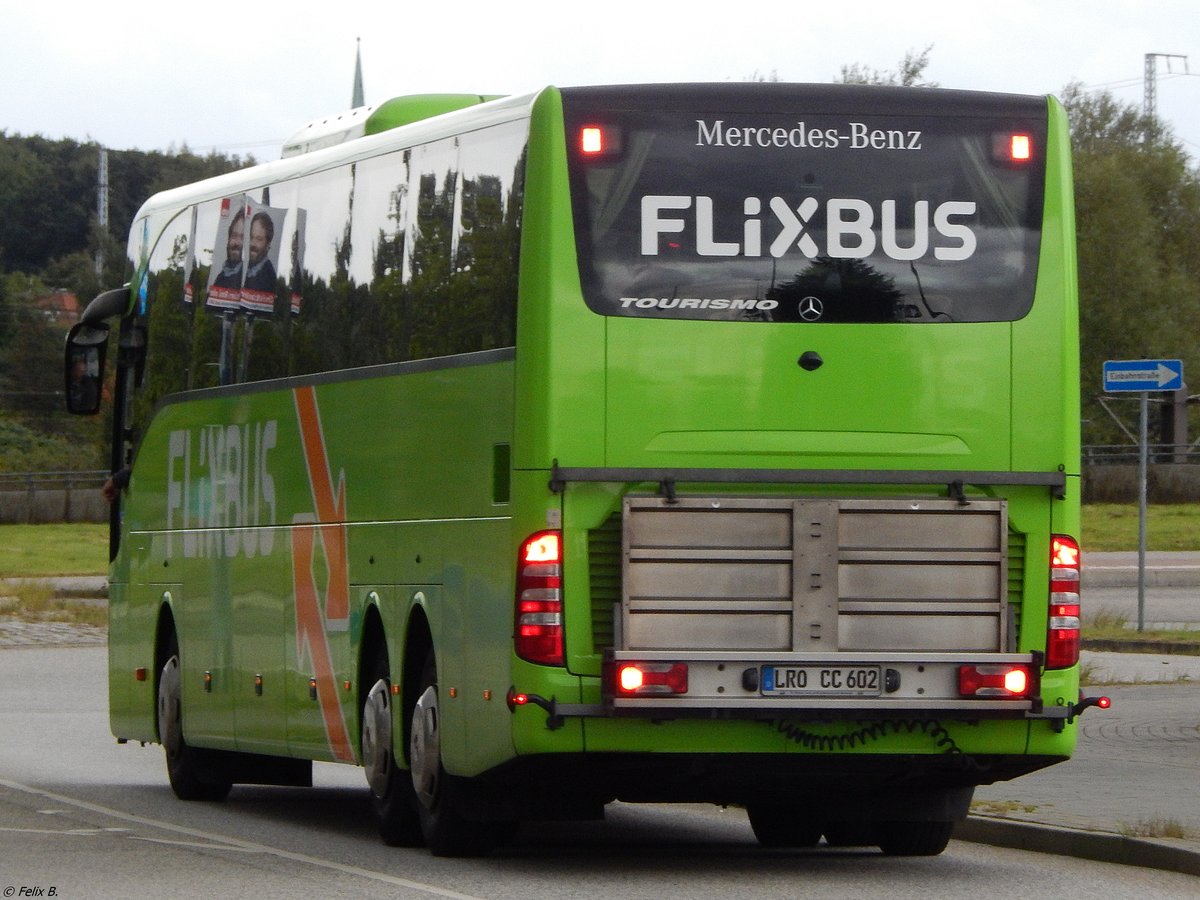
(85,818)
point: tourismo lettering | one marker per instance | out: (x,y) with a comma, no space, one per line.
(853,136)
(853,229)
(696,303)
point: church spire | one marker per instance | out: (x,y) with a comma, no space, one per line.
(357,100)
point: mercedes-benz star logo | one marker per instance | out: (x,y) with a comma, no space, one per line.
(811,309)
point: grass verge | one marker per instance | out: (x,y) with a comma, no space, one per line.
(1114,526)
(1106,629)
(1156,827)
(39,551)
(36,601)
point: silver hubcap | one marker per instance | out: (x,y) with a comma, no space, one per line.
(170,726)
(425,748)
(377,737)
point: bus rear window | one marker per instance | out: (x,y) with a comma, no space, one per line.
(773,212)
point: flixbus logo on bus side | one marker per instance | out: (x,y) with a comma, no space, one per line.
(852,229)
(221,491)
(854,136)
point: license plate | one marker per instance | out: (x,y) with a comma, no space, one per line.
(822,681)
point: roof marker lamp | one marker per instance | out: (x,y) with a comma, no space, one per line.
(1013,148)
(600,141)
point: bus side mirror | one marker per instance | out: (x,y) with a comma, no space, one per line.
(87,345)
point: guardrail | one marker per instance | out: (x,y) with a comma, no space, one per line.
(40,497)
(1127,454)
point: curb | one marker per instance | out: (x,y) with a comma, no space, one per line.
(1098,846)
(1161,648)
(1127,576)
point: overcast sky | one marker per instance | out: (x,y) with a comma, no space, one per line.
(241,77)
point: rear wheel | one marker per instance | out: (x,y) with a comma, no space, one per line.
(190,769)
(914,838)
(391,788)
(851,834)
(440,795)
(779,826)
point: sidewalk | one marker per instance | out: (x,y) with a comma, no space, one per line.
(1120,569)
(1136,771)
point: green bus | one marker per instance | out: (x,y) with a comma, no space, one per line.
(705,443)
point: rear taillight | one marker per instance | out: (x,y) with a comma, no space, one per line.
(539,618)
(639,678)
(992,681)
(1062,635)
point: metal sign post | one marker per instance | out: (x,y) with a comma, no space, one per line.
(1142,376)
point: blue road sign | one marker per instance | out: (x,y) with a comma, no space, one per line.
(1143,375)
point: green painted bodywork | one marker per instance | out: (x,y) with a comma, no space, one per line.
(413,448)
(415,107)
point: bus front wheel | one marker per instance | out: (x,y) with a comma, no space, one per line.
(439,795)
(188,768)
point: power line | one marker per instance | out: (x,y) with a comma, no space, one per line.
(1150,85)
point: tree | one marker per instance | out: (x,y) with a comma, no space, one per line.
(49,239)
(911,72)
(1137,200)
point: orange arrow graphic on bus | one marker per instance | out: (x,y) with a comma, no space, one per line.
(313,623)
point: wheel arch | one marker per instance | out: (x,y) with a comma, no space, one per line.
(418,642)
(164,630)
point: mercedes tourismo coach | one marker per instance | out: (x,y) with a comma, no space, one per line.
(662,443)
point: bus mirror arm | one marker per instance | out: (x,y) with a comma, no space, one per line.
(106,305)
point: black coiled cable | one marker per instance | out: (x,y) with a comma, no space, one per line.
(867,732)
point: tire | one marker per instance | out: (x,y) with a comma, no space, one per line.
(914,838)
(189,769)
(439,796)
(779,826)
(392,797)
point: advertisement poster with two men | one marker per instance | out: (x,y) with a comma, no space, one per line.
(245,276)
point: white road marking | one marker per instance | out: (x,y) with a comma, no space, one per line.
(235,843)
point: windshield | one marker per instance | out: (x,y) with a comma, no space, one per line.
(783,207)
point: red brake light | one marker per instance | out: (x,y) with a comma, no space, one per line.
(1021,147)
(538,635)
(994,681)
(1062,636)
(640,678)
